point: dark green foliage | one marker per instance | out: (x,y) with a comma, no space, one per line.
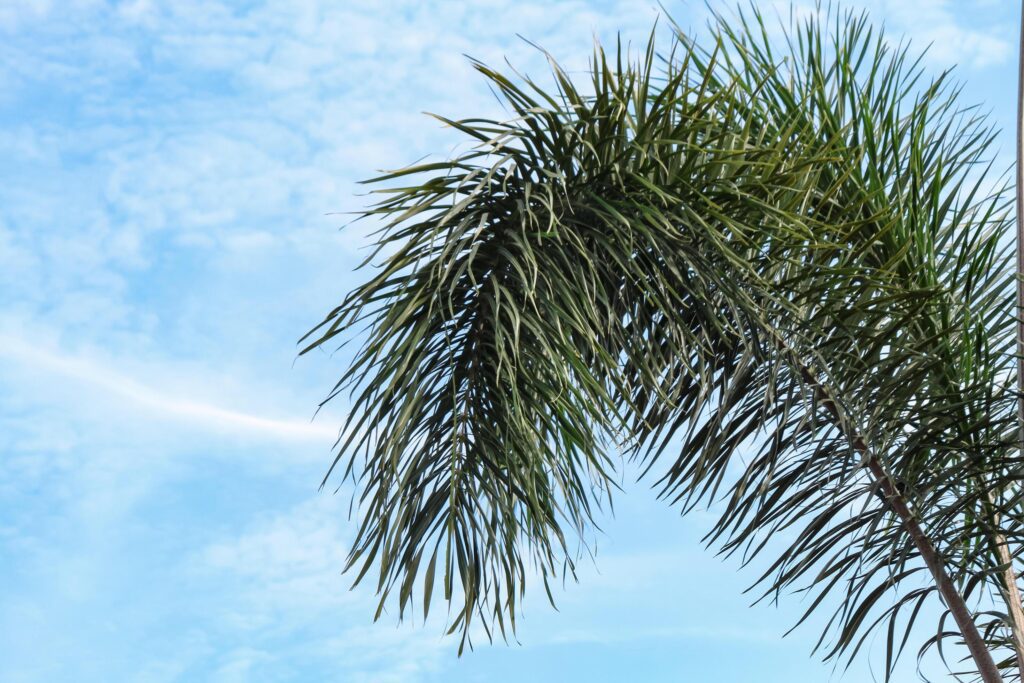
(751,271)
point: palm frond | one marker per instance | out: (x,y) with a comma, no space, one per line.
(775,277)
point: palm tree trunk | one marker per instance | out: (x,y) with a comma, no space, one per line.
(897,502)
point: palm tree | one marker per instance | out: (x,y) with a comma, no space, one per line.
(776,277)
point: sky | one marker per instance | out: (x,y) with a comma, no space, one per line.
(174,178)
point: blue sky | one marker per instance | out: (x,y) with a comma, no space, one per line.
(168,175)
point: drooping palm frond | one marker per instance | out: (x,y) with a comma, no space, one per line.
(491,384)
(774,278)
(926,386)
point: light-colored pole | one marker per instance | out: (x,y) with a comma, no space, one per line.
(1005,557)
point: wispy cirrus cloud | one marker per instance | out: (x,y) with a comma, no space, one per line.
(153,399)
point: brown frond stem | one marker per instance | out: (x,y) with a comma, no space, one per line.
(897,502)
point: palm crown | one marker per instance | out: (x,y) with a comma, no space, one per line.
(775,273)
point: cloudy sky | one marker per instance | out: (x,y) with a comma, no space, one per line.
(171,182)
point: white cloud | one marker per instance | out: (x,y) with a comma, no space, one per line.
(284,576)
(291,562)
(241,664)
(965,37)
(152,399)
(960,33)
(16,12)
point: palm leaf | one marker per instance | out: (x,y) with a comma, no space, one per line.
(774,278)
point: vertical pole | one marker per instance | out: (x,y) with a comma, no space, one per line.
(1005,556)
